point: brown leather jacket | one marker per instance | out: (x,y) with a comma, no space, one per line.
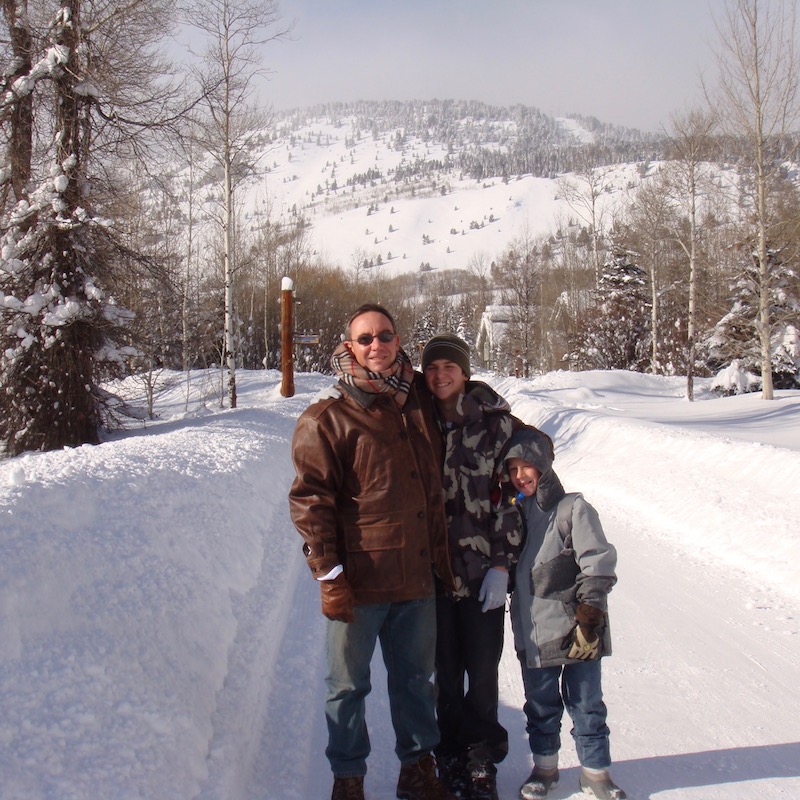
(368,493)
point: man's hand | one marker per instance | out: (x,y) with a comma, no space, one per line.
(493,589)
(337,599)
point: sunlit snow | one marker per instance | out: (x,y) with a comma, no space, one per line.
(160,635)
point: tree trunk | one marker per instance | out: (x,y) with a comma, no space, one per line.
(691,319)
(654,316)
(20,145)
(230,345)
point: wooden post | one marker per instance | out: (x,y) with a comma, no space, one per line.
(287,338)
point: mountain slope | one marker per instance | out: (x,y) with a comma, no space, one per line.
(400,185)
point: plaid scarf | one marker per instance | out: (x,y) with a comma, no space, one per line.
(396,380)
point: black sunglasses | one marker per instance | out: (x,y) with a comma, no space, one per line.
(365,340)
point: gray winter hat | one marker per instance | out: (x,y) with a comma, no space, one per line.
(449,346)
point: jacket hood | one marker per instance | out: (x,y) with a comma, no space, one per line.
(487,398)
(536,447)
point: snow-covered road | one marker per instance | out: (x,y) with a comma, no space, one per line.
(702,685)
(160,635)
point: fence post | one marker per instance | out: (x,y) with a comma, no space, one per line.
(287,338)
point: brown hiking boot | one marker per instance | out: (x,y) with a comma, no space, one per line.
(419,781)
(351,788)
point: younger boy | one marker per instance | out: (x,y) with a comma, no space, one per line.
(558,614)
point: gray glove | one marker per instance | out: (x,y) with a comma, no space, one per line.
(493,589)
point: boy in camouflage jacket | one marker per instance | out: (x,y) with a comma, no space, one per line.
(476,425)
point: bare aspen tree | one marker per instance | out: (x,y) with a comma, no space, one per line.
(268,245)
(480,268)
(358,258)
(187,273)
(650,217)
(582,191)
(756,100)
(691,146)
(234,33)
(520,268)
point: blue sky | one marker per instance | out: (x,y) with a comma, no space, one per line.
(628,62)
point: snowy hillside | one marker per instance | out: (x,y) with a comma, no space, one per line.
(160,635)
(381,224)
(387,190)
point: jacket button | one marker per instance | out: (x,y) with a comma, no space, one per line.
(414,474)
(423,553)
(420,514)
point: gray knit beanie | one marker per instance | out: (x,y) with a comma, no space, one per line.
(448,346)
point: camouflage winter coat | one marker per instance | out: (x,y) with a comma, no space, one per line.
(480,534)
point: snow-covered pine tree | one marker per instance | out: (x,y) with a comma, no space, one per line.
(54,311)
(617,327)
(735,336)
(58,251)
(423,328)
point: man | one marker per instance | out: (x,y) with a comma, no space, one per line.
(367,500)
(484,538)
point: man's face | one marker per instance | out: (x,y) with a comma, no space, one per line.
(376,356)
(445,379)
(523,475)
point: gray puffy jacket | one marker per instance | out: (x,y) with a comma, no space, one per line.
(553,575)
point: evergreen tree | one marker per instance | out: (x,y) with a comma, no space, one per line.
(617,329)
(58,251)
(423,328)
(735,336)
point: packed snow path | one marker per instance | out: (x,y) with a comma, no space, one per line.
(160,634)
(702,685)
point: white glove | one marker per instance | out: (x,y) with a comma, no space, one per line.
(583,649)
(493,589)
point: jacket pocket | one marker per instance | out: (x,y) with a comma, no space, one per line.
(555,579)
(375,557)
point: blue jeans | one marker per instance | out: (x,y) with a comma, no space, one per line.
(581,694)
(407,633)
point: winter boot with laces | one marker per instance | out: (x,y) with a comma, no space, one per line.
(539,783)
(351,788)
(419,781)
(601,786)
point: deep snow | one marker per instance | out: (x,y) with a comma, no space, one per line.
(407,224)
(160,635)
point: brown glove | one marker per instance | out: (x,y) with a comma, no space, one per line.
(589,619)
(337,599)
(586,643)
